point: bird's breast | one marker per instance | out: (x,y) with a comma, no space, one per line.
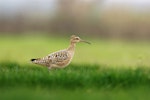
(62,60)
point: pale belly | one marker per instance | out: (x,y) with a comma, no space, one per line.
(61,64)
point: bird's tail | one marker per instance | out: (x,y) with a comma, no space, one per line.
(35,60)
(39,61)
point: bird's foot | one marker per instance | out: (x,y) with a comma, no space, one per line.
(49,68)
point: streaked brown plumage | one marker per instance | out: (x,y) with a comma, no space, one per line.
(62,58)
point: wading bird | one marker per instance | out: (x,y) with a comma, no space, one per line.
(62,58)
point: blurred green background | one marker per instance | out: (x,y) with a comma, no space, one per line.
(115,66)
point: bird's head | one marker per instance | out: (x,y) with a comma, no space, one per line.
(76,39)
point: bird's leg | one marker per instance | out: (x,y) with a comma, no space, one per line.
(49,68)
(56,69)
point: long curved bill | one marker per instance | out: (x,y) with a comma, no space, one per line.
(85,41)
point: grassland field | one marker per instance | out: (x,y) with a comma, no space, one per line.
(107,70)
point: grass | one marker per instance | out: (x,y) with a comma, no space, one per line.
(107,70)
(85,94)
(74,82)
(39,94)
(75,76)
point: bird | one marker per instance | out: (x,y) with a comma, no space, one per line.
(61,58)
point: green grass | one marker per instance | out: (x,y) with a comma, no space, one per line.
(85,94)
(107,70)
(74,82)
(75,76)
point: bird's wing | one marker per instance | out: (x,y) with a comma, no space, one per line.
(59,56)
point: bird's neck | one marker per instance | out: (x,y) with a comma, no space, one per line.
(71,46)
